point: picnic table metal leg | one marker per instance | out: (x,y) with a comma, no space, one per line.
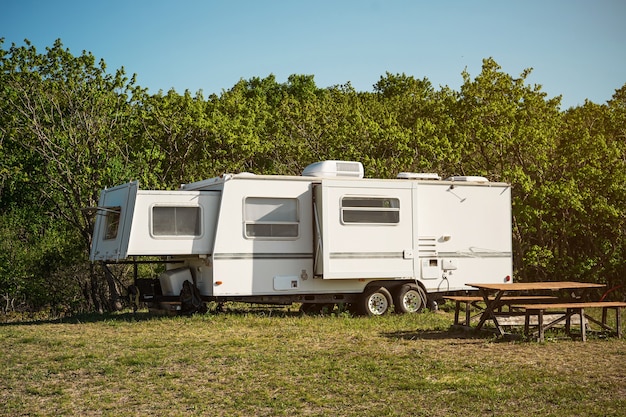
(540,325)
(527,324)
(456,313)
(583,328)
(488,313)
(605,319)
(618,320)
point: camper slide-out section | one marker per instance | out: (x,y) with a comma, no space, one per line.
(133,222)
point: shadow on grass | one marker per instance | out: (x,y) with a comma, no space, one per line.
(27,319)
(451,333)
(81,318)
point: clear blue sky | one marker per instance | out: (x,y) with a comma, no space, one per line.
(576,47)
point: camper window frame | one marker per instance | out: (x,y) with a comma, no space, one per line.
(199,227)
(251,221)
(388,208)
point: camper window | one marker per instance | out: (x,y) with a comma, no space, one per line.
(370,210)
(112,223)
(176,221)
(271,218)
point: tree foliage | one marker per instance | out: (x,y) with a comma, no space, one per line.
(70,128)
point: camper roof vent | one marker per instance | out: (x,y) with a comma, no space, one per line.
(334,169)
(468,178)
(418,176)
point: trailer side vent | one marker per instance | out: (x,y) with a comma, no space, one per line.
(334,169)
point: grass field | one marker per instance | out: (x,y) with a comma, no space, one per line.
(272,362)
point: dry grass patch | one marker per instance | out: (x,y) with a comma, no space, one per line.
(272,362)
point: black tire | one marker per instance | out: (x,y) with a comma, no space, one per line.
(375,301)
(409,298)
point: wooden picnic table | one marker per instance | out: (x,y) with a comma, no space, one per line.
(570,310)
(493,294)
(474,301)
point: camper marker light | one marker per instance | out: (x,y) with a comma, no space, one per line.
(218,282)
(507,278)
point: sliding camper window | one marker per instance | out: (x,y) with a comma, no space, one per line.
(112,222)
(275,218)
(380,210)
(176,221)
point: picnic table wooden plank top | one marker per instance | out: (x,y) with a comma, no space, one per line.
(536,286)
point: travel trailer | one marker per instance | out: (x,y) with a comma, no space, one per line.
(329,236)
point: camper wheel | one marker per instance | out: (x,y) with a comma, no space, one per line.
(375,301)
(409,298)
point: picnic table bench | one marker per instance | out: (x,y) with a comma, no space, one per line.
(494,296)
(566,311)
(473,300)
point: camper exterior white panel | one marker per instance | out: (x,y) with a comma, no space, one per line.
(230,279)
(467,227)
(246,259)
(367,229)
(145,240)
(244,265)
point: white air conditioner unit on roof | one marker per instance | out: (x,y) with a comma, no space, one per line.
(334,169)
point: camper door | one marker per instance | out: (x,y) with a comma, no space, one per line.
(113,222)
(363,229)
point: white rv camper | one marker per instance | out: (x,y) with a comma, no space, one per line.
(329,236)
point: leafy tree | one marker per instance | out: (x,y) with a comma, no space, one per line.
(71,125)
(417,120)
(175,129)
(506,131)
(68,129)
(588,213)
(235,140)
